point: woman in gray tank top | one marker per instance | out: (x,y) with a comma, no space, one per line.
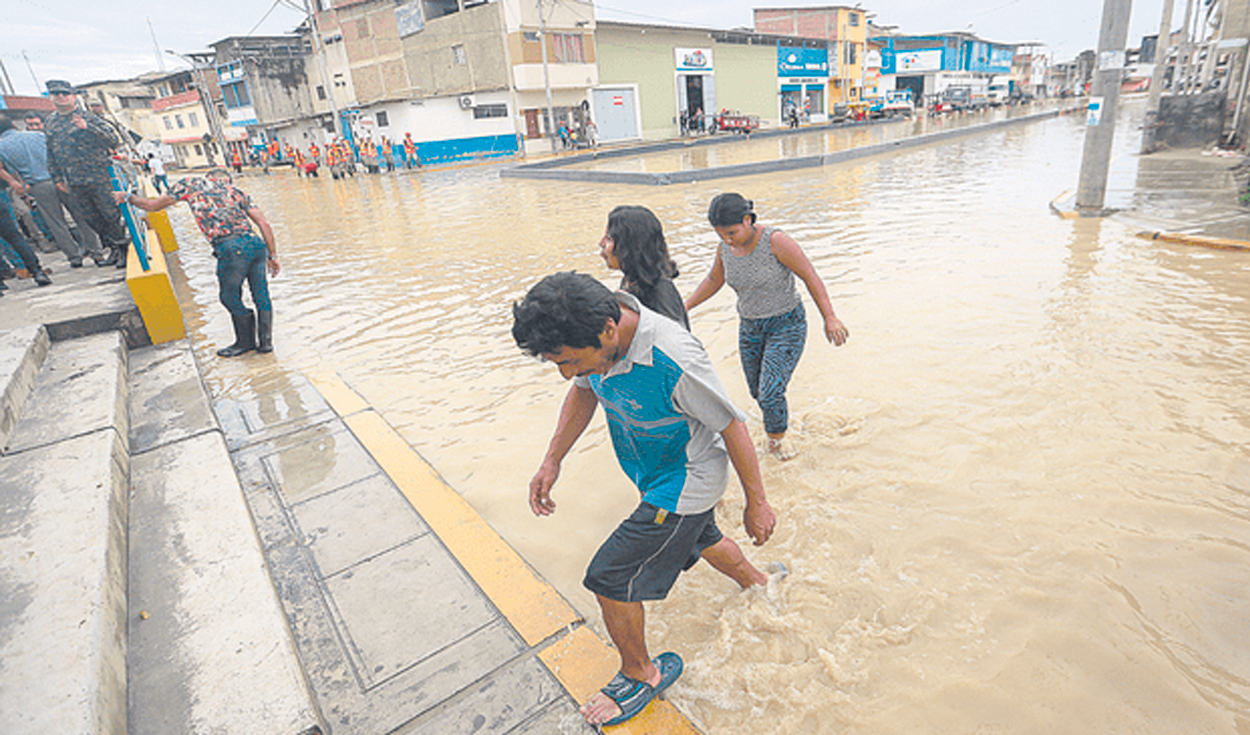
(759,263)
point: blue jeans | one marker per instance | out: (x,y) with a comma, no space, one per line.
(770,349)
(14,248)
(238,259)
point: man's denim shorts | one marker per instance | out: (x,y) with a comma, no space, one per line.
(642,558)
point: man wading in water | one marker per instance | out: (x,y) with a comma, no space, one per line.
(673,429)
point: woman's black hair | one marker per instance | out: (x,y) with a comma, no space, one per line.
(638,244)
(729,209)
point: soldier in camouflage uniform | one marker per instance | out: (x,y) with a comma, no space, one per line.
(80,148)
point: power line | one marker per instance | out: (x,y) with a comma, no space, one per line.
(995,10)
(670,21)
(264,17)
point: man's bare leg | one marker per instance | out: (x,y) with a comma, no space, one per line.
(626,623)
(727,558)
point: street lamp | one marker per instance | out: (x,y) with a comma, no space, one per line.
(207,98)
(542,39)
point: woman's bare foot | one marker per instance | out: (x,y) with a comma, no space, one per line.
(782,447)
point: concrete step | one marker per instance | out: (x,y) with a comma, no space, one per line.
(63,513)
(22,352)
(81,389)
(209,645)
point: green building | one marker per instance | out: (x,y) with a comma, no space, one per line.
(651,76)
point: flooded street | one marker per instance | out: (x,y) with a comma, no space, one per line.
(733,149)
(1023,499)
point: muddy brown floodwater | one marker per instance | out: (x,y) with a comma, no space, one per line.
(1023,501)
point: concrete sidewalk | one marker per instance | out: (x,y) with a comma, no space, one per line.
(1186,196)
(381,596)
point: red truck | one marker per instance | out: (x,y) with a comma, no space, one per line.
(736,122)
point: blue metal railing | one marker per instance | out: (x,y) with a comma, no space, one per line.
(125,178)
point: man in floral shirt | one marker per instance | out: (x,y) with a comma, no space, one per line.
(225,216)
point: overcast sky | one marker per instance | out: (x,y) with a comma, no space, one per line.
(92,40)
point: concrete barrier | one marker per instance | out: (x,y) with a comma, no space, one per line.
(159,222)
(154,295)
(555,171)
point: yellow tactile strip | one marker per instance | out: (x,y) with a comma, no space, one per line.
(533,607)
(530,604)
(581,661)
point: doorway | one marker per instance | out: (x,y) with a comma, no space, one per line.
(694,96)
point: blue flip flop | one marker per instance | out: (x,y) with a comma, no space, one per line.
(633,696)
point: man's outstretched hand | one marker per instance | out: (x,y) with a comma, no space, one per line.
(540,489)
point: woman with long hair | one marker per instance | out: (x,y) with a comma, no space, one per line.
(634,244)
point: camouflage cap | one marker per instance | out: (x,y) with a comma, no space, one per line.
(59,85)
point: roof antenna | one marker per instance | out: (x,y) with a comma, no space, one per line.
(156,47)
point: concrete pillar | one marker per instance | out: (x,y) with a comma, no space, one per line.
(1100,132)
(1156,81)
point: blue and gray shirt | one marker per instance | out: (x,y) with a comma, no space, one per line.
(666,408)
(25,153)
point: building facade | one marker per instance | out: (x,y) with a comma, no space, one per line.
(466,78)
(928,65)
(265,88)
(651,77)
(846,31)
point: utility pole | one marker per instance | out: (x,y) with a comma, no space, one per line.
(1156,79)
(160,60)
(8,83)
(31,69)
(1180,77)
(319,50)
(1100,128)
(542,41)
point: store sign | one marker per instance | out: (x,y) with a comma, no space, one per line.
(242,117)
(914,61)
(1093,117)
(693,59)
(802,62)
(1002,58)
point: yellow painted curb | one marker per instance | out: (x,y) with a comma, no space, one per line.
(337,393)
(580,660)
(582,663)
(533,606)
(1216,243)
(1060,212)
(153,293)
(159,222)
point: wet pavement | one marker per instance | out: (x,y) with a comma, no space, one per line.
(410,613)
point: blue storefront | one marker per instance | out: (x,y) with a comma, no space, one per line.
(927,54)
(803,82)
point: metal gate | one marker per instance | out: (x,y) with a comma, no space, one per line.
(616,113)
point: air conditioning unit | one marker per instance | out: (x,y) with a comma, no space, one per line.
(466,101)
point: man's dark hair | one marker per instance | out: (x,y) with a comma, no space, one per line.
(639,246)
(6,125)
(563,310)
